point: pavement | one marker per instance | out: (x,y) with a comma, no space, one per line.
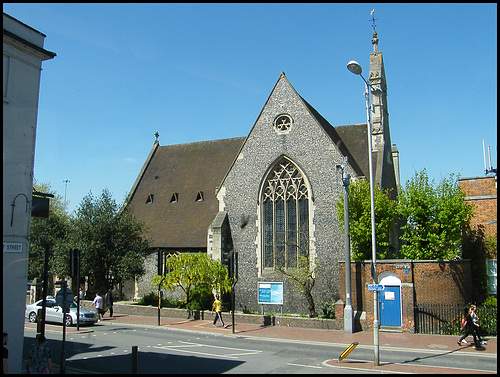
(387,340)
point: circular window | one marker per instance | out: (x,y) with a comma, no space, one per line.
(283,123)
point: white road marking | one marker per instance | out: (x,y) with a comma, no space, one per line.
(184,345)
(305,366)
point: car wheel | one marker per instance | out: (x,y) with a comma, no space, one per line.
(32,317)
(68,320)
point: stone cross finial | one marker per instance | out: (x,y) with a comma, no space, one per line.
(374,39)
(156,135)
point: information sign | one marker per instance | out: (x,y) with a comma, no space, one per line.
(270,293)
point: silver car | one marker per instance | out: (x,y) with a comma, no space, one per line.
(54,313)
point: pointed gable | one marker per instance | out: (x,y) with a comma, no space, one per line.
(284,100)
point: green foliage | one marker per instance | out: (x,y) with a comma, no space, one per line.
(435,217)
(111,240)
(490,244)
(195,274)
(247,310)
(490,302)
(328,310)
(152,299)
(487,320)
(201,298)
(360,227)
(49,233)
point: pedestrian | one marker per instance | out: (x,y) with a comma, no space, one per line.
(217,307)
(5,353)
(475,321)
(80,293)
(108,300)
(99,305)
(464,327)
(40,358)
(468,327)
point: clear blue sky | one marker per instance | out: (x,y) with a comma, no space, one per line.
(202,72)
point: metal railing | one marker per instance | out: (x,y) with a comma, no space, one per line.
(438,319)
(447,319)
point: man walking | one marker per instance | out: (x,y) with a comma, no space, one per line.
(108,300)
(98,303)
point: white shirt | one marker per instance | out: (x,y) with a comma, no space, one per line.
(97,302)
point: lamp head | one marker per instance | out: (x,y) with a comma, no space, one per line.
(354,67)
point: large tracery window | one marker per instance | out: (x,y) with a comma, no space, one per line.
(285,202)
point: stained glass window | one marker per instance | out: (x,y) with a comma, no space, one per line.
(285,203)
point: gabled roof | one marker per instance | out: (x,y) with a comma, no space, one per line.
(351,141)
(175,196)
(166,194)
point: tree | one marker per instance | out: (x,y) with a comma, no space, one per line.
(360,227)
(303,279)
(111,241)
(435,217)
(194,271)
(49,234)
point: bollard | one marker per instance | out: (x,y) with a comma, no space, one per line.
(347,351)
(134,359)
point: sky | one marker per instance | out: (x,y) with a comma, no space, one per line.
(197,72)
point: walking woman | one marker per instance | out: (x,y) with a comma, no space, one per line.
(217,307)
(468,327)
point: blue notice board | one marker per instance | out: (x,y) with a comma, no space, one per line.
(270,293)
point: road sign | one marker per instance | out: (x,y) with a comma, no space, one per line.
(375,287)
(69,298)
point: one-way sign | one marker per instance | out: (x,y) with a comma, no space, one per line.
(375,287)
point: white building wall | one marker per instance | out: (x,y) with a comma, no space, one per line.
(21,80)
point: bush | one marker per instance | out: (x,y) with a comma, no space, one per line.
(152,299)
(491,301)
(201,298)
(328,310)
(487,314)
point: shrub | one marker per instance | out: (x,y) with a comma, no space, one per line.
(247,310)
(202,298)
(328,310)
(487,314)
(152,299)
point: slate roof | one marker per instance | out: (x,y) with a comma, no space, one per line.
(187,170)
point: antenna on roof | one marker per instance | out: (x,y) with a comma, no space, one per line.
(486,170)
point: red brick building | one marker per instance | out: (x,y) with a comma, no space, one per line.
(407,283)
(482,192)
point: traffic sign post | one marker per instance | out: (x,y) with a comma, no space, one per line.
(64,298)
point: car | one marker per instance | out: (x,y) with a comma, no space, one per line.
(54,313)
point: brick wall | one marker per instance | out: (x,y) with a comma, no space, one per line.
(482,192)
(422,282)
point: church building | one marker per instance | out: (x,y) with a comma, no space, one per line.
(269,196)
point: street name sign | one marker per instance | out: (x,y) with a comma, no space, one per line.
(375,287)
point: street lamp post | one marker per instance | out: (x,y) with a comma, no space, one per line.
(355,68)
(348,317)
